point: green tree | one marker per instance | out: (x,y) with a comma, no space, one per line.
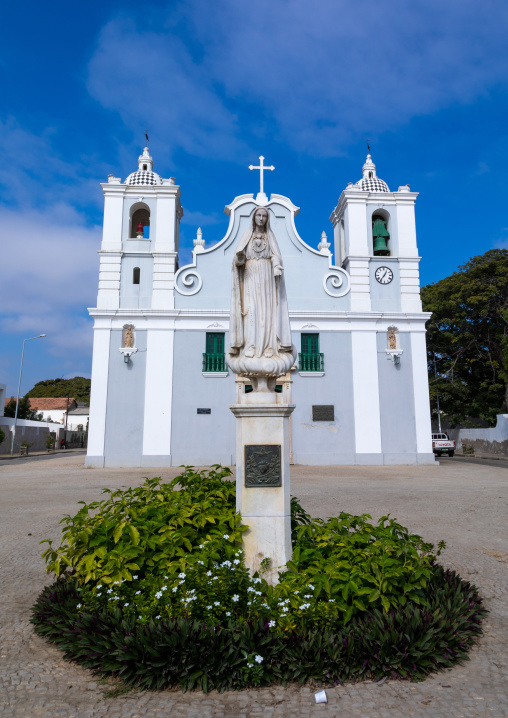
(467,342)
(78,387)
(24,411)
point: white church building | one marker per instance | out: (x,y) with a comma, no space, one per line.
(161,390)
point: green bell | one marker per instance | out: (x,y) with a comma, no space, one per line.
(380,236)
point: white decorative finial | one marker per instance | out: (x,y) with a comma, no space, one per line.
(145,161)
(261,197)
(324,246)
(369,168)
(199,242)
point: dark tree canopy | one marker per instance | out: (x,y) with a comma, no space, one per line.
(24,411)
(467,343)
(78,387)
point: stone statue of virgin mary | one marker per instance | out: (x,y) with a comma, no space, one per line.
(259,333)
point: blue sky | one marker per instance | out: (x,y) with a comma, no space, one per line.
(218,84)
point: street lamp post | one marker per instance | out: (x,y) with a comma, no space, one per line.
(19,388)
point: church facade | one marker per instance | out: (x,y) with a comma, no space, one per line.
(161,389)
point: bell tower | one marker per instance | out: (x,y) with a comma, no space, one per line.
(375,241)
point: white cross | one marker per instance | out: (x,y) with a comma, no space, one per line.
(261,169)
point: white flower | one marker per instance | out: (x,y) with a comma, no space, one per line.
(332,600)
(201,562)
(137,593)
(158,594)
(214,578)
(226,536)
(175,588)
(249,665)
(216,603)
(258,659)
(257,580)
(157,616)
(125,604)
(201,545)
(208,573)
(308,595)
(311,586)
(99,594)
(135,577)
(140,617)
(228,613)
(271,624)
(258,593)
(295,592)
(164,588)
(250,589)
(236,561)
(78,606)
(209,608)
(236,597)
(249,603)
(181,575)
(110,590)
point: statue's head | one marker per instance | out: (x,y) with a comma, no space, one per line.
(260,218)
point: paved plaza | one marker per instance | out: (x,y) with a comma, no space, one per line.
(463,503)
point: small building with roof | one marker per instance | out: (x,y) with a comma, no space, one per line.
(161,389)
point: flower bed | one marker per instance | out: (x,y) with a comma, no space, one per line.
(151,587)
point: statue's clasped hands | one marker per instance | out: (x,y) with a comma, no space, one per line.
(277,271)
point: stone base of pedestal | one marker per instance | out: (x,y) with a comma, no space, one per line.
(262,484)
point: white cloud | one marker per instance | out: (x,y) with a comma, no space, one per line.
(315,75)
(151,79)
(49,274)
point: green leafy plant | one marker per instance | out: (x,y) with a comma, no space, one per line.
(2,436)
(165,561)
(410,641)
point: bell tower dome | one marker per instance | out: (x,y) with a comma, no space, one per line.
(374,227)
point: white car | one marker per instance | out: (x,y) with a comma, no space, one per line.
(441,444)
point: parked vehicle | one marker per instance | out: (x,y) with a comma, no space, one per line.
(441,444)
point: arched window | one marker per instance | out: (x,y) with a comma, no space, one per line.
(140,216)
(380,234)
(136,275)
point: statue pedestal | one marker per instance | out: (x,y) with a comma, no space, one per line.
(262,481)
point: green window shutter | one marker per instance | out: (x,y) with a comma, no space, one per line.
(310,359)
(214,343)
(310,343)
(213,358)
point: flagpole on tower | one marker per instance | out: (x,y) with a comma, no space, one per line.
(147,140)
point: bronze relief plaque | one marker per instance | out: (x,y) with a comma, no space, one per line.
(263,465)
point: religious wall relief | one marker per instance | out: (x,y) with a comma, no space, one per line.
(128,336)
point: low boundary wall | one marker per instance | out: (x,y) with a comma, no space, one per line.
(488,441)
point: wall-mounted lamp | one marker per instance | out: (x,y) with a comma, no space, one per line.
(127,353)
(394,355)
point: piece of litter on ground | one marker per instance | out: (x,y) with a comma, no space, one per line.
(321,697)
(383,680)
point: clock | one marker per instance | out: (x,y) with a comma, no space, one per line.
(384,275)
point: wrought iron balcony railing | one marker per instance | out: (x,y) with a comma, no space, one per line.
(311,362)
(214,362)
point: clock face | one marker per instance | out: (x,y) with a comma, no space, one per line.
(384,275)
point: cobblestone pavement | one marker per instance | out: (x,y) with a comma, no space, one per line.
(461,503)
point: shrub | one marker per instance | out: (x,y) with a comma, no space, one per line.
(410,641)
(166,561)
(2,436)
